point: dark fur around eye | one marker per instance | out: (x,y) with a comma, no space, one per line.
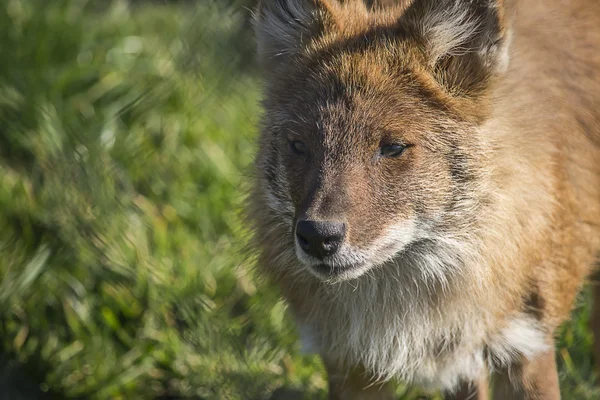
(298,147)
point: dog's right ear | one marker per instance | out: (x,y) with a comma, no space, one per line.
(284,27)
(466,41)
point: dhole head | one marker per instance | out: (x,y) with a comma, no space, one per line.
(369,145)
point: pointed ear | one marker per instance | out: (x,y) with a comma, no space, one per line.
(466,41)
(283,26)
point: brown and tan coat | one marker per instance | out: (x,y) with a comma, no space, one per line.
(428,185)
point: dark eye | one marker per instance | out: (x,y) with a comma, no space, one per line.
(392,150)
(297,147)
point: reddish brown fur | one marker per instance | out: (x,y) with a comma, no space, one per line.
(506,159)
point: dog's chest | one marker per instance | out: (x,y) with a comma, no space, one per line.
(420,350)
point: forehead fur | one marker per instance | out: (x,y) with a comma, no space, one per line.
(367,81)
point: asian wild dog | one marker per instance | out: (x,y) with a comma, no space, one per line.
(428,185)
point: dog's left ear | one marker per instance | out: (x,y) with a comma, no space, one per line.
(466,42)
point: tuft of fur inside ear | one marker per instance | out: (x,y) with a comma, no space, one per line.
(283,26)
(466,41)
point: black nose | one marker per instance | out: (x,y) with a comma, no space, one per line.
(320,238)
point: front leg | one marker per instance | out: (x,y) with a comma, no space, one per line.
(355,384)
(535,379)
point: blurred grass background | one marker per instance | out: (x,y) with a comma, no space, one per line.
(125,133)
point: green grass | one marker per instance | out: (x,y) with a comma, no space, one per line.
(124,136)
